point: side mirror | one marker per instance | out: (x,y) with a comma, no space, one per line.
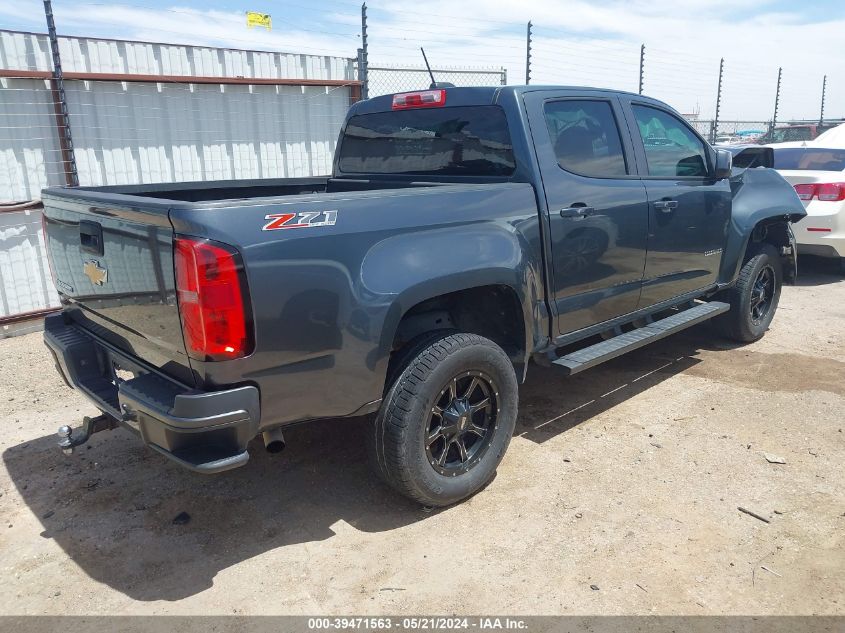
(724,162)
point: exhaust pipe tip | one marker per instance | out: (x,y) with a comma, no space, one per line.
(274,441)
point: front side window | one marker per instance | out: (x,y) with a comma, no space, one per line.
(586,138)
(671,147)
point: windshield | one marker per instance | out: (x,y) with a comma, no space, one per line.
(458,141)
(806,158)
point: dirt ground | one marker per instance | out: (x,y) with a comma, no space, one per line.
(626,478)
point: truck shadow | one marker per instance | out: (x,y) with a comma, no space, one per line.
(818,271)
(546,411)
(112,508)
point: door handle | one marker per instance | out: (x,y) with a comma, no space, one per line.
(666,206)
(577,212)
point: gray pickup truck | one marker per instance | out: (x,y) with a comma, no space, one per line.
(462,233)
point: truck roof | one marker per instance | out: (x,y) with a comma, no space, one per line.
(482,95)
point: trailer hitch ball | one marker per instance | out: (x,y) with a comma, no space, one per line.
(65,441)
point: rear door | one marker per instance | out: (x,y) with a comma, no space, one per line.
(689,210)
(598,208)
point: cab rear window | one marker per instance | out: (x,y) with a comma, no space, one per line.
(450,141)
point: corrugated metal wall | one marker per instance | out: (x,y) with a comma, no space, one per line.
(31,51)
(30,158)
(169,132)
(135,132)
(132,132)
(25,282)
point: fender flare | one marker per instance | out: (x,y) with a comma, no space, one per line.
(760,195)
(415,267)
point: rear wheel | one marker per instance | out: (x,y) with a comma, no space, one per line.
(754,299)
(447,419)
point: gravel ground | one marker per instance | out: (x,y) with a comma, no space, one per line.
(626,478)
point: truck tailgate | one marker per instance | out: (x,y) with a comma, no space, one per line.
(113,266)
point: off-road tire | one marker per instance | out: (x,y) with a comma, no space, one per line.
(397,435)
(738,324)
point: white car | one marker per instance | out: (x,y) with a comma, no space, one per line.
(834,137)
(818,175)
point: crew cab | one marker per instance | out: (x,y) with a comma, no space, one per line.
(463,233)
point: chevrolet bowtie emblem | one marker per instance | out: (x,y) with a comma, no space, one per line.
(97,275)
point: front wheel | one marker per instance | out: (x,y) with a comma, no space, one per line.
(754,298)
(447,420)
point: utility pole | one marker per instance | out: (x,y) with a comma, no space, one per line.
(718,101)
(62,114)
(777,99)
(363,60)
(824,89)
(528,54)
(642,67)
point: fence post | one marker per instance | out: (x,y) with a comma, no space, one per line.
(777,100)
(363,61)
(824,88)
(528,54)
(718,101)
(642,67)
(62,114)
(504,76)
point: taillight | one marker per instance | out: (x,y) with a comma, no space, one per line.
(826,192)
(805,192)
(422,99)
(831,192)
(211,290)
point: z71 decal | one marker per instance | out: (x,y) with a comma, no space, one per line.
(304,220)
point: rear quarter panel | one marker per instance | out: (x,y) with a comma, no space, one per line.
(327,300)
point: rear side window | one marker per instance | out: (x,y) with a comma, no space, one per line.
(804,158)
(586,138)
(671,147)
(457,141)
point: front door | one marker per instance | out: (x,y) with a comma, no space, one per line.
(597,206)
(689,210)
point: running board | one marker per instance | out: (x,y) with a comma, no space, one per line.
(618,345)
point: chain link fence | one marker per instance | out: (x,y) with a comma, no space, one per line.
(756,131)
(384,80)
(730,131)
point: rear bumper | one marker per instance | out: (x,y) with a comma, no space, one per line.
(822,232)
(206,432)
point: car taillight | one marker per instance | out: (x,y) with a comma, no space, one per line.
(805,192)
(831,192)
(421,99)
(211,291)
(826,192)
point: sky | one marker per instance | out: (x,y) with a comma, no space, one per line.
(576,42)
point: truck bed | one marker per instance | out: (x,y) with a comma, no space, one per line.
(320,296)
(234,190)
